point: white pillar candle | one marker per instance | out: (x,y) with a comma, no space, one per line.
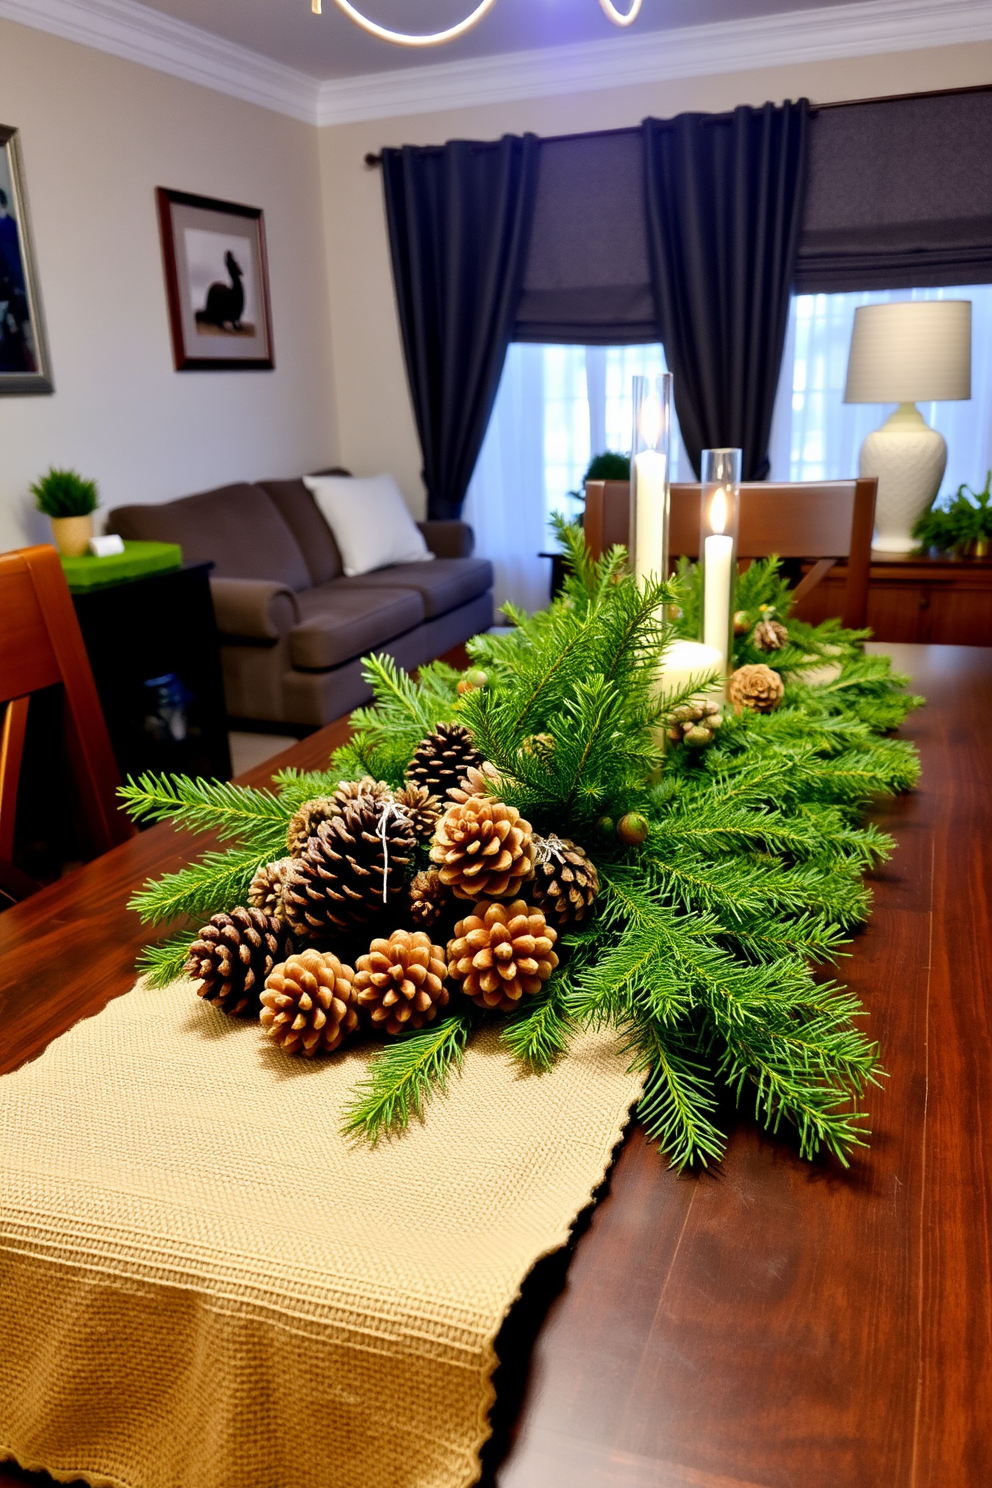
(650,476)
(684,662)
(718,558)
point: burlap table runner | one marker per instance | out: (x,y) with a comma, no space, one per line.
(203,1285)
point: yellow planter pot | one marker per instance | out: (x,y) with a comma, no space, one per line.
(72,534)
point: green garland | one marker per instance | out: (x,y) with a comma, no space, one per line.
(702,947)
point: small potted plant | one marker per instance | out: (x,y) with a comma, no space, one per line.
(963,526)
(69,502)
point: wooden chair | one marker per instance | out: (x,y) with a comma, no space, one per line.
(821,520)
(40,645)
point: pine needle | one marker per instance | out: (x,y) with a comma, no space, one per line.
(403,1078)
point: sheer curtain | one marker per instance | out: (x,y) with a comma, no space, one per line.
(817,436)
(556,407)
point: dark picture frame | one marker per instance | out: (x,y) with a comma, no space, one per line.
(25,364)
(217,283)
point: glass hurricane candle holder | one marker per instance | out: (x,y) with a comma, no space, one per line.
(649,487)
(719,515)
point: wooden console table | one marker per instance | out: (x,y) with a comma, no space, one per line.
(916,598)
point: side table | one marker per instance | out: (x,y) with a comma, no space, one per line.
(916,598)
(152,643)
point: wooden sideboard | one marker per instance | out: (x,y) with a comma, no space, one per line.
(916,598)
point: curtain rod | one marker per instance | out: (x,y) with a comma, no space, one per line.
(371,159)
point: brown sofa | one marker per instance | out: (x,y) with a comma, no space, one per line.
(292,628)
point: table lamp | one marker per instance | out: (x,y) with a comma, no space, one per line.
(908,352)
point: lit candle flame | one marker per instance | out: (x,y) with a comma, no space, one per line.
(718,510)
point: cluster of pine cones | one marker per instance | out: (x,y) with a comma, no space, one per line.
(350,862)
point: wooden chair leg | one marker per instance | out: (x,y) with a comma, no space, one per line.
(11,750)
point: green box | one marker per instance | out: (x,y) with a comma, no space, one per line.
(138,560)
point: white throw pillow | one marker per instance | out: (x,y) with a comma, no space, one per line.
(371,522)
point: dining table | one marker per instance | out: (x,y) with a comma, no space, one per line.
(765,1322)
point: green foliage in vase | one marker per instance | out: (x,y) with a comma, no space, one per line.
(961,524)
(64,493)
(702,947)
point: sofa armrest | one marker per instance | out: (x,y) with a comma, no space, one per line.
(448,539)
(254,609)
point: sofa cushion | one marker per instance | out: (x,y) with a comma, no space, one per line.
(236,527)
(443,584)
(340,622)
(315,538)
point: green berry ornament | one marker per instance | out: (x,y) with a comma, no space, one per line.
(632,828)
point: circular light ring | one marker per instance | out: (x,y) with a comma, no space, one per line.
(402,38)
(616,16)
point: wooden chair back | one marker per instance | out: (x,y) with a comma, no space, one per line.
(825,521)
(40,645)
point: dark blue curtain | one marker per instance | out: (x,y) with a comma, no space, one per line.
(724,202)
(459,219)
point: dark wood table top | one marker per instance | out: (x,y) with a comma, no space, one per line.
(771,1324)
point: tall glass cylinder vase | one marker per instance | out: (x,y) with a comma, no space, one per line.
(649,478)
(719,515)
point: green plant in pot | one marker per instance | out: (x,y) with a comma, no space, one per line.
(963,526)
(69,502)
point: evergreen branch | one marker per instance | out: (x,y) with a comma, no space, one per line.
(217,882)
(207,805)
(163,963)
(542,1031)
(678,1096)
(405,1075)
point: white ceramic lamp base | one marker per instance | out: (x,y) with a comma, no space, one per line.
(908,457)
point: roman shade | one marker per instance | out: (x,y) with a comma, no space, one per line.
(898,194)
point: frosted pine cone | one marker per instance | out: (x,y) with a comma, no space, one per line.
(756,687)
(400,983)
(427,898)
(769,635)
(265,891)
(338,881)
(565,880)
(483,848)
(501,953)
(232,956)
(440,760)
(308,1006)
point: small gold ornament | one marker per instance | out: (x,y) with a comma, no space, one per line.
(742,622)
(756,687)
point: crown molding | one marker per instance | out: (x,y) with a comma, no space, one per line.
(863,29)
(136,32)
(128,29)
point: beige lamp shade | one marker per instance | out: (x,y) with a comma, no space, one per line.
(914,351)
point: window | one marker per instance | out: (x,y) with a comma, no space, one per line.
(558,405)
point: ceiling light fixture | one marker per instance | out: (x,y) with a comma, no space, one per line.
(434,38)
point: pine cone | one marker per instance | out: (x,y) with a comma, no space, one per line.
(440,760)
(350,790)
(265,891)
(338,881)
(694,724)
(400,983)
(756,687)
(565,880)
(232,956)
(769,635)
(475,782)
(427,898)
(308,1006)
(422,809)
(483,848)
(501,952)
(304,822)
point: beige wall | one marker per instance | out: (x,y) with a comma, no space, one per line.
(98,135)
(374,414)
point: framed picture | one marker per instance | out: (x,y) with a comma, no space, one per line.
(24,362)
(217,282)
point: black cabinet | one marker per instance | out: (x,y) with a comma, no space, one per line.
(152,644)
